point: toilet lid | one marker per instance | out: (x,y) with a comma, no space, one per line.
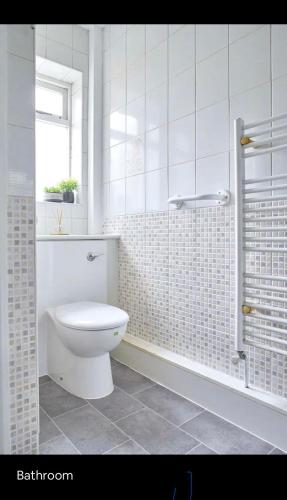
(90,316)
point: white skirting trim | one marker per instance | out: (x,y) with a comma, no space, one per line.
(255,411)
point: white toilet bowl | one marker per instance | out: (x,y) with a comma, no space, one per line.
(80,337)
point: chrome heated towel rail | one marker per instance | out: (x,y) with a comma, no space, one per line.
(260,241)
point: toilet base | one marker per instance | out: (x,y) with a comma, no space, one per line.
(88,378)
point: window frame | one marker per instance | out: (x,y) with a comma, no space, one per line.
(66,120)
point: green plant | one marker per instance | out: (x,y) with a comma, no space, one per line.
(53,189)
(68,185)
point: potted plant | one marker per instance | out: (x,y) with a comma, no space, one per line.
(68,187)
(53,193)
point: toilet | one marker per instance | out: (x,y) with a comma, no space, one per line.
(80,338)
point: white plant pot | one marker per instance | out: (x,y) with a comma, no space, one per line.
(56,197)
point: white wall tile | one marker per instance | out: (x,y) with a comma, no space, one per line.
(135,194)
(237,31)
(156,190)
(212,79)
(52,210)
(182,180)
(212,133)
(182,140)
(156,148)
(279,101)
(107,66)
(209,39)
(106,37)
(156,107)
(21,161)
(172,28)
(252,105)
(118,56)
(41,29)
(182,49)
(21,97)
(20,40)
(59,53)
(279,96)
(40,225)
(117,197)
(155,34)
(249,61)
(116,31)
(106,165)
(80,39)
(117,126)
(79,226)
(135,44)
(118,91)
(136,117)
(279,49)
(135,81)
(106,200)
(62,33)
(156,66)
(212,175)
(41,46)
(135,156)
(117,161)
(79,210)
(106,98)
(182,94)
(41,208)
(81,63)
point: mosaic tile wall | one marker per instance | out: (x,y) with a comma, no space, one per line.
(176,281)
(171,93)
(22,325)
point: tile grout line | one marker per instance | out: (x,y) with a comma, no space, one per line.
(69,411)
(76,449)
(123,432)
(234,425)
(117,446)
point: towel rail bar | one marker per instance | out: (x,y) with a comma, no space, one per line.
(264,179)
(260,229)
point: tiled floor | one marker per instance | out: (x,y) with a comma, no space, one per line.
(138,418)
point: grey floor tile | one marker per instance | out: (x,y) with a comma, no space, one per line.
(276,451)
(155,434)
(223,437)
(168,404)
(201,449)
(56,400)
(128,448)
(129,380)
(44,379)
(89,431)
(57,446)
(48,430)
(116,405)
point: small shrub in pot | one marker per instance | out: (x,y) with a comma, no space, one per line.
(53,193)
(68,187)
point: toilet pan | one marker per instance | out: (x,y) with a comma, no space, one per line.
(80,337)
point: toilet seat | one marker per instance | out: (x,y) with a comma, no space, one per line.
(90,316)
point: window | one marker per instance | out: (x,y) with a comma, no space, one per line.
(53,133)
